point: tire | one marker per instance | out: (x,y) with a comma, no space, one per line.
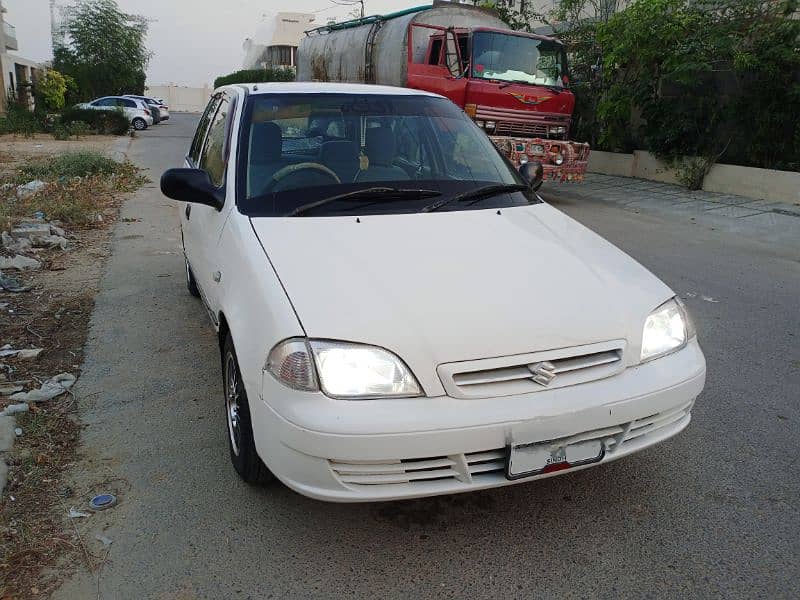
(139,124)
(241,443)
(191,283)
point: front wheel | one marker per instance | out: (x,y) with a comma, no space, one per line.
(241,443)
(191,282)
(139,124)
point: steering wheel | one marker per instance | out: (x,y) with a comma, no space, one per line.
(281,174)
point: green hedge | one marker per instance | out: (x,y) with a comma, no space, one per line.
(107,122)
(255,76)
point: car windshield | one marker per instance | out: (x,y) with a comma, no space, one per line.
(397,152)
(516,58)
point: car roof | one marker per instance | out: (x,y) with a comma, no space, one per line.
(313,87)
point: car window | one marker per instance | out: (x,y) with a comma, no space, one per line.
(202,129)
(212,157)
(129,103)
(301,148)
(104,102)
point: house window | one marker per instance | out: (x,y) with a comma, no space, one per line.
(280,56)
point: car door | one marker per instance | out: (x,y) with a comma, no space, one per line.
(202,225)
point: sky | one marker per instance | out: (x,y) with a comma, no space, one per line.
(193,41)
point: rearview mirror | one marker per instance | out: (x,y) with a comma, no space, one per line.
(191,185)
(533,174)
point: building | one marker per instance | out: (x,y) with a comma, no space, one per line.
(276,40)
(19,73)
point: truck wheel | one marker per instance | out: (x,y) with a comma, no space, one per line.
(191,283)
(242,446)
(139,124)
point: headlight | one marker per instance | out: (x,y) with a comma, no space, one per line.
(558,159)
(667,329)
(537,149)
(560,130)
(523,159)
(490,125)
(343,369)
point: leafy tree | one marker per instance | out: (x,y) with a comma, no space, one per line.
(102,49)
(51,90)
(518,20)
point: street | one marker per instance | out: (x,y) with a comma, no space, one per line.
(713,512)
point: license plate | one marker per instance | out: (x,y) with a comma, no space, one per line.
(526,460)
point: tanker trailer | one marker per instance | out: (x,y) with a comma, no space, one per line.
(514,85)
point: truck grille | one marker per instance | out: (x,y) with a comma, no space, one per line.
(522,374)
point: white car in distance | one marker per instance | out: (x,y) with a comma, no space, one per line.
(136,110)
(400,315)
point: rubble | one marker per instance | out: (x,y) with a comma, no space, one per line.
(20,262)
(11,284)
(7,390)
(7,435)
(24,353)
(50,389)
(13,409)
(27,190)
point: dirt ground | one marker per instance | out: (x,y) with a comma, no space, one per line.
(15,149)
(37,539)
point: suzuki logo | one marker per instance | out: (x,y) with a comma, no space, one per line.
(528,99)
(543,372)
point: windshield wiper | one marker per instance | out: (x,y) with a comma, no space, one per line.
(365,194)
(476,194)
(552,88)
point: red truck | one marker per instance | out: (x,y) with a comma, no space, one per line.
(514,85)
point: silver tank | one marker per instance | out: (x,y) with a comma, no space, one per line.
(377,51)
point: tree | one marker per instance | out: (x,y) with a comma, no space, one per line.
(51,90)
(102,49)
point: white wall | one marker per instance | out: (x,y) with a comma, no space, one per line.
(181,98)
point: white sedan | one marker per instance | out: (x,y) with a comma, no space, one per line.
(400,315)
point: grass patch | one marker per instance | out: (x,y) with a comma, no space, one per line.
(71,164)
(82,188)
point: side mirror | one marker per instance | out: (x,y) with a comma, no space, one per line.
(533,174)
(191,185)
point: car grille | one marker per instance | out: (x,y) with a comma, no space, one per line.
(460,467)
(518,374)
(478,467)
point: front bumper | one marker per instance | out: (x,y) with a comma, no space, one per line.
(575,155)
(449,445)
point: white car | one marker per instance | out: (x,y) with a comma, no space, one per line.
(136,110)
(157,103)
(400,315)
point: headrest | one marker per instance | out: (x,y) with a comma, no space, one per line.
(380,146)
(338,151)
(265,142)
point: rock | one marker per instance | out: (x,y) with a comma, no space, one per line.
(29,189)
(3,477)
(49,241)
(15,244)
(30,229)
(13,409)
(56,230)
(7,390)
(28,353)
(11,285)
(51,388)
(7,435)
(18,431)
(19,262)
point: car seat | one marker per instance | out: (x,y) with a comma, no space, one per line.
(380,147)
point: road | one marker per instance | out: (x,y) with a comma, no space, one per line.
(713,512)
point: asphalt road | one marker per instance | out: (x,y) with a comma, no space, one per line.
(711,513)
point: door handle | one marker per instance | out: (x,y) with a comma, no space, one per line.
(188,210)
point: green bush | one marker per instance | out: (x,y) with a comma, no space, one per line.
(20,121)
(255,76)
(106,122)
(61,132)
(72,164)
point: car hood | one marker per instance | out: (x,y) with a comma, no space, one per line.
(463,285)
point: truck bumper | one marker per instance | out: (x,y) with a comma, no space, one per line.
(572,156)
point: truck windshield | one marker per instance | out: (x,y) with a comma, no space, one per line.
(367,153)
(516,58)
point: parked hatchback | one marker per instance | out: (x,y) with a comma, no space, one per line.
(140,115)
(154,104)
(400,315)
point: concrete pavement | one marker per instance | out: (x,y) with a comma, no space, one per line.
(713,512)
